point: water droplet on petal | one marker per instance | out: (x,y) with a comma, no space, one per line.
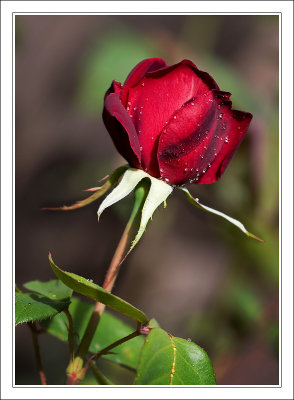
(166,180)
(175,117)
(192,104)
(161,170)
(203,171)
(143,84)
(141,148)
(218,107)
(226,140)
(186,169)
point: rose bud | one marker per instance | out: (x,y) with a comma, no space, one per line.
(173,122)
(173,125)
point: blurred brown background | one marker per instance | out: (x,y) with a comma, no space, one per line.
(196,274)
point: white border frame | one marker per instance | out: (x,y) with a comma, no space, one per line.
(285,391)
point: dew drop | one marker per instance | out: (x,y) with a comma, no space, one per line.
(186,169)
(161,170)
(189,340)
(218,107)
(143,84)
(140,112)
(129,103)
(204,170)
(206,132)
(135,108)
(226,140)
(141,148)
(215,154)
(205,147)
(220,116)
(202,157)
(192,104)
(166,179)
(175,117)
(209,165)
(191,169)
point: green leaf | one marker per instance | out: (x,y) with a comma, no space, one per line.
(95,292)
(98,192)
(54,289)
(168,360)
(33,307)
(110,329)
(233,221)
(157,194)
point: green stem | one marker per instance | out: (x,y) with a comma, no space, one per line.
(101,379)
(128,234)
(70,334)
(113,345)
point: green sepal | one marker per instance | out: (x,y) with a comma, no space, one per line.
(195,202)
(98,192)
(87,288)
(157,194)
(168,360)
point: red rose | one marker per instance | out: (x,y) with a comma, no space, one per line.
(173,122)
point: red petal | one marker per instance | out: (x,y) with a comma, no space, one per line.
(154,100)
(200,139)
(121,129)
(137,73)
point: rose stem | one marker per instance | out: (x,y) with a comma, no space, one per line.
(109,280)
(70,334)
(34,332)
(111,346)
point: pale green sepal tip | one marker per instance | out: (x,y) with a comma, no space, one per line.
(233,221)
(129,181)
(159,189)
(158,193)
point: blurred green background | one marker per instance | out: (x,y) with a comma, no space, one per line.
(196,274)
